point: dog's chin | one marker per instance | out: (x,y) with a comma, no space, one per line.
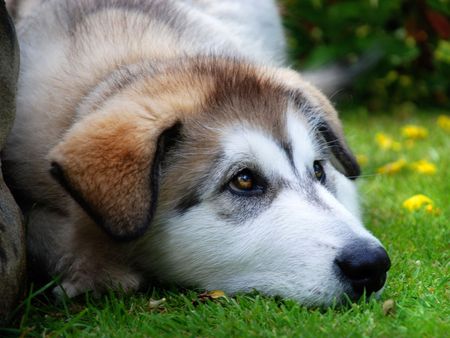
(320,295)
(340,296)
(351,296)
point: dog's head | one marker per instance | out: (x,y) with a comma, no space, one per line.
(235,177)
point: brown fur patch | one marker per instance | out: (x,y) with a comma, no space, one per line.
(105,162)
(108,161)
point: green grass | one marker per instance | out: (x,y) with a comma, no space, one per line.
(418,283)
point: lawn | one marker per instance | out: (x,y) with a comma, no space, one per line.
(417,241)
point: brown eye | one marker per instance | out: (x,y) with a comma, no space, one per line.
(319,172)
(243,180)
(245,183)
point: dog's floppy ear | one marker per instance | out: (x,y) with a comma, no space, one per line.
(345,160)
(318,108)
(109,163)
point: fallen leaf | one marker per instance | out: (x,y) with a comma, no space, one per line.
(209,295)
(216,294)
(156,303)
(389,307)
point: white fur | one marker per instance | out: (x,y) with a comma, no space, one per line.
(288,249)
(304,150)
(245,144)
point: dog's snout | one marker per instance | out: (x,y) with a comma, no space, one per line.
(365,266)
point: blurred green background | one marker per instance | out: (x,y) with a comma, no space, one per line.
(410,40)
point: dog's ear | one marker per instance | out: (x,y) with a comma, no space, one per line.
(330,128)
(109,163)
(344,160)
(317,107)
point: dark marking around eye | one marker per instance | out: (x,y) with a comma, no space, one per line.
(187,202)
(287,147)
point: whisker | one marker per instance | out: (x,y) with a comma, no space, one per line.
(367,175)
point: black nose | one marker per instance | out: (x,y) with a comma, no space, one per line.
(365,266)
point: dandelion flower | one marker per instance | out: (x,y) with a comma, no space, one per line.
(424,167)
(386,142)
(443,122)
(392,167)
(418,201)
(414,132)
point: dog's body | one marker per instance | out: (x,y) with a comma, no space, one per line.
(167,124)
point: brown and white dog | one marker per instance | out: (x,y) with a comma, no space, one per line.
(181,152)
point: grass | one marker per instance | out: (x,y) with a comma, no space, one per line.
(418,283)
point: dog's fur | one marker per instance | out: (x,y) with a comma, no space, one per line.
(144,110)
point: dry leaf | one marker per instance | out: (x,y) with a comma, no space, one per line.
(156,303)
(209,295)
(216,294)
(388,307)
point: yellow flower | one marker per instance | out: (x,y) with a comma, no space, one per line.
(424,167)
(393,167)
(362,159)
(414,132)
(385,142)
(443,122)
(418,201)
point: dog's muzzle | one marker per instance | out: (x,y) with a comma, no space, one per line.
(363,266)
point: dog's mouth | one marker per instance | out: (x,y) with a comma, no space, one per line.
(368,286)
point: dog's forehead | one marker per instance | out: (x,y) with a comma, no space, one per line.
(258,119)
(284,151)
(251,122)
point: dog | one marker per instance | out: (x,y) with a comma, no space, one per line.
(164,141)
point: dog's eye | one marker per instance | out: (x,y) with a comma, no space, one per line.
(245,183)
(243,180)
(319,172)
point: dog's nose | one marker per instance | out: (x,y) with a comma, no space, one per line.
(365,266)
